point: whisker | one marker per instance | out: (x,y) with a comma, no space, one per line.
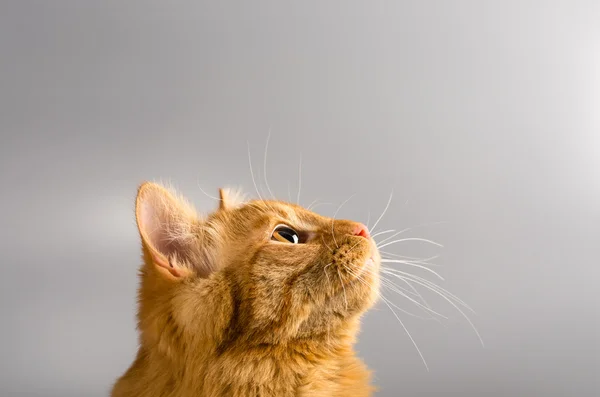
(420,305)
(265,164)
(393,235)
(413,258)
(411,239)
(407,312)
(328,247)
(299,180)
(380,233)
(352,273)
(362,281)
(413,264)
(409,335)
(354,246)
(252,172)
(206,194)
(317,205)
(385,209)
(387,282)
(433,286)
(428,264)
(312,203)
(333,219)
(343,287)
(327,275)
(395,289)
(254,180)
(419,295)
(457,308)
(410,228)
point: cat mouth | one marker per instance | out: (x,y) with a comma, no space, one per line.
(368,265)
(370,262)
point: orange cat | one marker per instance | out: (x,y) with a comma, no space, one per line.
(261,298)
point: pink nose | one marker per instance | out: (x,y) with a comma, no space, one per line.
(361,230)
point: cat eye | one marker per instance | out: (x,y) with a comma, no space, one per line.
(285,234)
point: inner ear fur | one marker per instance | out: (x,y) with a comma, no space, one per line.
(167,225)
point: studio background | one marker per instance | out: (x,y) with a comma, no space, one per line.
(482,115)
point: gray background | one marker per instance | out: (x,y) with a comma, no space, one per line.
(482,114)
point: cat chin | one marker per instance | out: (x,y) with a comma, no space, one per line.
(372,284)
(370,264)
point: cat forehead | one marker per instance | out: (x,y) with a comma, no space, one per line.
(293,213)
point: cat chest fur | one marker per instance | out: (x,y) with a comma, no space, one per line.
(246,374)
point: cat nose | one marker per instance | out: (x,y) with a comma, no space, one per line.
(362,231)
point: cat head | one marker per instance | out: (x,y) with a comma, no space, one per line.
(280,271)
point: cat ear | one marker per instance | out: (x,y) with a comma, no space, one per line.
(166,223)
(230,198)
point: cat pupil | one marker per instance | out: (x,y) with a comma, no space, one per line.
(291,237)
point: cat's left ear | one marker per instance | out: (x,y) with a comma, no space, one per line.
(230,198)
(166,223)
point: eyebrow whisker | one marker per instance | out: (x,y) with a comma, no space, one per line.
(265,164)
(333,219)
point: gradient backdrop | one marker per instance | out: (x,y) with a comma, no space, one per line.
(483,115)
